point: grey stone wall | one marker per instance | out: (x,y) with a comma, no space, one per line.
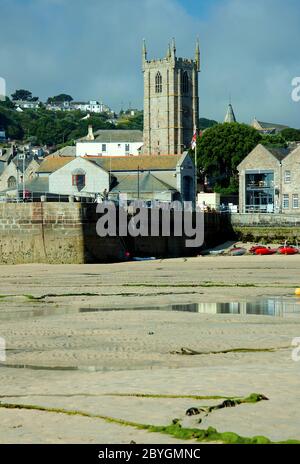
(257,227)
(65,233)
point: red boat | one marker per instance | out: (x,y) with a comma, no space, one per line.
(256,247)
(288,250)
(265,251)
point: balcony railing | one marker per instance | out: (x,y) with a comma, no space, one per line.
(259,208)
(259,185)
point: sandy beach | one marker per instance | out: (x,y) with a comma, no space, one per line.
(107,340)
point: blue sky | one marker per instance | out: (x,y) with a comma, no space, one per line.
(199,8)
(92,50)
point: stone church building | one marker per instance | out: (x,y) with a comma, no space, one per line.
(171,102)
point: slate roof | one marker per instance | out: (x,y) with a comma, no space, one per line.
(116,136)
(19,163)
(270,125)
(7,155)
(134,163)
(51,164)
(145,183)
(230,116)
(2,166)
(40,185)
(279,153)
(65,151)
(116,163)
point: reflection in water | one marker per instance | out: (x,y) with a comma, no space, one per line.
(268,307)
(278,307)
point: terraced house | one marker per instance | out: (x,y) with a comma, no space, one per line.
(269,181)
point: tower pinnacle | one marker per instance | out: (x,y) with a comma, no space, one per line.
(197,55)
(144,52)
(173,47)
(169,51)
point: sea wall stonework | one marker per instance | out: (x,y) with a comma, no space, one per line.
(65,233)
(269,228)
(41,232)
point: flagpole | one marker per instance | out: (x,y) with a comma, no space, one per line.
(196,168)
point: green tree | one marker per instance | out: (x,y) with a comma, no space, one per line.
(7,103)
(290,135)
(275,141)
(219,151)
(132,122)
(10,123)
(62,97)
(205,123)
(23,94)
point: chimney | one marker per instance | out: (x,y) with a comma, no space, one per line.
(90,135)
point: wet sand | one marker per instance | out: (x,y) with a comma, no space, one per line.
(63,351)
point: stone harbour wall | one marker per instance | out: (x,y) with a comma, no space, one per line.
(270,228)
(66,233)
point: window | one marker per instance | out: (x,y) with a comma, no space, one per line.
(287,177)
(286,201)
(259,191)
(158,83)
(127,147)
(78,179)
(11,182)
(184,82)
(295,201)
(103,146)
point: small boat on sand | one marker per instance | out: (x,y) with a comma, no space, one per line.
(288,250)
(217,252)
(256,247)
(266,251)
(237,251)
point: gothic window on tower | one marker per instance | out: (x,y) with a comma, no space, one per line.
(158,83)
(184,82)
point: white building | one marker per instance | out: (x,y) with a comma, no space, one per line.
(158,178)
(110,143)
(79,177)
(92,106)
(211,200)
(27,105)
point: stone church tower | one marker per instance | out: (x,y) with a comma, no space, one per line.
(171,102)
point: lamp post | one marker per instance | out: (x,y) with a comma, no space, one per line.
(22,157)
(18,177)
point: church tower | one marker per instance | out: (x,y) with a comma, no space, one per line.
(171,102)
